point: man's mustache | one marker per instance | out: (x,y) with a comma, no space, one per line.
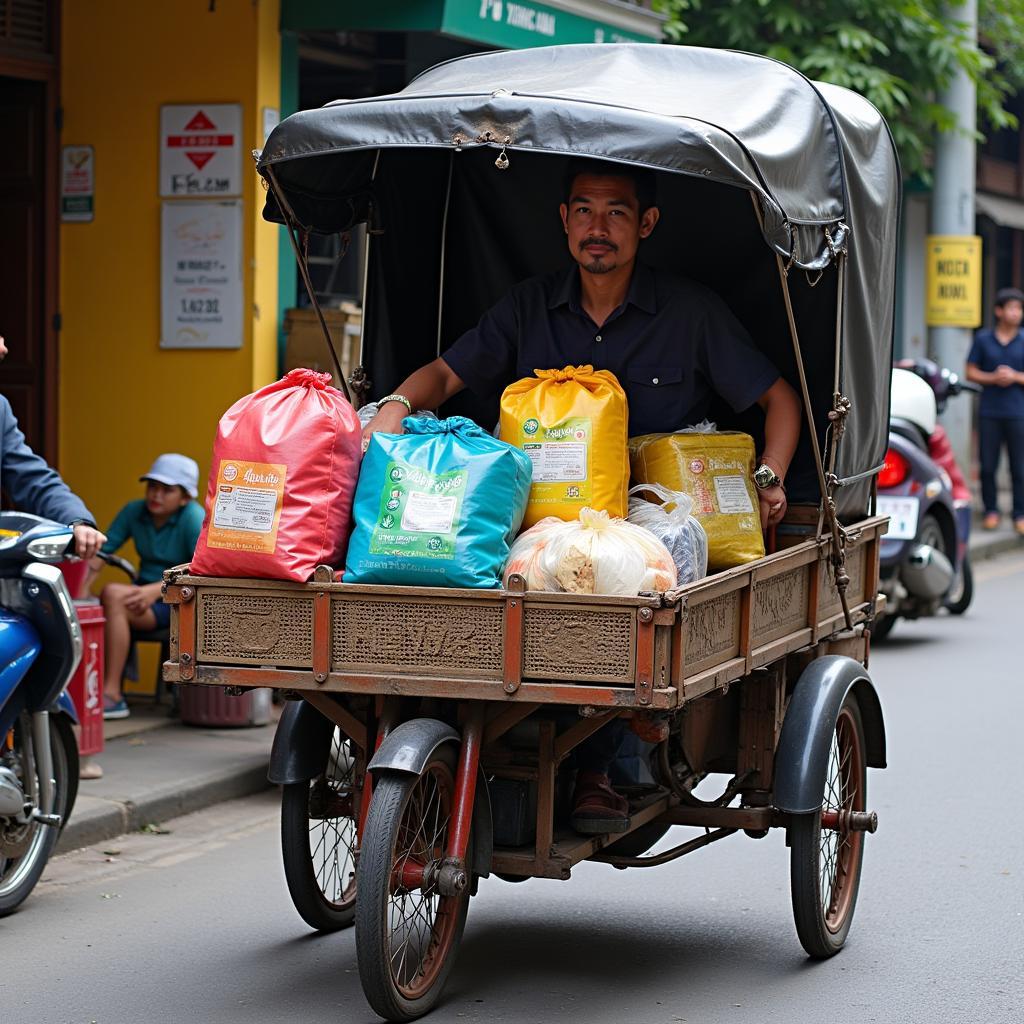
(599,241)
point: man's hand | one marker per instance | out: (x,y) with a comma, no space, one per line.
(773,506)
(1005,376)
(88,540)
(388,421)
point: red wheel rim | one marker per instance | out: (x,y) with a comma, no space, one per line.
(422,923)
(839,851)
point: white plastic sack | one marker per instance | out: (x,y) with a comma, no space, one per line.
(673,525)
(594,554)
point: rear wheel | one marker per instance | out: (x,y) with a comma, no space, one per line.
(26,847)
(318,841)
(825,856)
(407,931)
(958,600)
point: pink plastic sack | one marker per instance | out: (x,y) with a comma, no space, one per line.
(285,463)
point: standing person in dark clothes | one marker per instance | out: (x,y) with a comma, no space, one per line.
(996,361)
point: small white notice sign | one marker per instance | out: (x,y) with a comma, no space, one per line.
(77,184)
(201,275)
(201,149)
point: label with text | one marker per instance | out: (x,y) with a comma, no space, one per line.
(247,507)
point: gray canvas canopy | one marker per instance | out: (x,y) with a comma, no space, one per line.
(451,232)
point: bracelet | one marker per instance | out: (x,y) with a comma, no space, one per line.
(396,398)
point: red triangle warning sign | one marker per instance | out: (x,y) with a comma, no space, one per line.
(199,123)
(200,159)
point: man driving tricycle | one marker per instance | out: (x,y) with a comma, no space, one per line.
(430,729)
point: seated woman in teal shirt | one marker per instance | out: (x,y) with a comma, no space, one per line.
(164,527)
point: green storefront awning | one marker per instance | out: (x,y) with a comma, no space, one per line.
(512,24)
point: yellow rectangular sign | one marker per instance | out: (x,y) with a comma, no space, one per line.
(953,281)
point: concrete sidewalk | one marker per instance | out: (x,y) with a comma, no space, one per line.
(155,768)
(992,543)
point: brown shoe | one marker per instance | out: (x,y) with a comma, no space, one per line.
(596,807)
(991,521)
(1018,525)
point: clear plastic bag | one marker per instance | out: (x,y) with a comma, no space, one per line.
(672,523)
(367,412)
(594,554)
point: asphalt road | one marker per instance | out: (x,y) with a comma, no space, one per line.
(196,925)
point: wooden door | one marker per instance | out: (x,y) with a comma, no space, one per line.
(23,257)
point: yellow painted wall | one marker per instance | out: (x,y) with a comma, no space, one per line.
(123,400)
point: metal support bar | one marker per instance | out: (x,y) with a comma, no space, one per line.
(340,716)
(577,733)
(465,784)
(663,858)
(506,719)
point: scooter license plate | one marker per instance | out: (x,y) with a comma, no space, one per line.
(902,513)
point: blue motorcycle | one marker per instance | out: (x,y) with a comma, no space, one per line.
(40,647)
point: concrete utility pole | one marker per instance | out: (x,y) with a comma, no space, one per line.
(953,214)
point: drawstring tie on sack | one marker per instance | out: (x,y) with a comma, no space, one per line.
(566,373)
(302,377)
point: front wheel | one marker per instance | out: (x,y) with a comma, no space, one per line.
(825,855)
(318,840)
(26,847)
(407,931)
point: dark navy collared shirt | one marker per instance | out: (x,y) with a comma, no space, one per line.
(672,344)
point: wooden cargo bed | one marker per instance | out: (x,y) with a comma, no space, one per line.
(651,651)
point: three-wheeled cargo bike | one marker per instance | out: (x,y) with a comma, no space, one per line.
(428,735)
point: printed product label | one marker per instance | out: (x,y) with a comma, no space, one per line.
(560,455)
(419,512)
(733,496)
(247,509)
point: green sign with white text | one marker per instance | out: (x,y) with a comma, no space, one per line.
(513,24)
(520,24)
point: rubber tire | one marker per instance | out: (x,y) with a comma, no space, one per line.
(882,628)
(391,791)
(65,758)
(963,602)
(313,906)
(817,938)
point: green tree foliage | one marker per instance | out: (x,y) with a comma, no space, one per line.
(900,54)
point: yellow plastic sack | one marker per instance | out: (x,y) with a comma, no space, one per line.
(573,424)
(715,470)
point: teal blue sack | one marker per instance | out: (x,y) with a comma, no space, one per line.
(437,506)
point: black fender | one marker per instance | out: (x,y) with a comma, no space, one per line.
(802,753)
(302,744)
(409,747)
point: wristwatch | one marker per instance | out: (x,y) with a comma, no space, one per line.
(765,477)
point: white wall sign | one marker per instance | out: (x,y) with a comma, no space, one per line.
(201,275)
(200,150)
(77,183)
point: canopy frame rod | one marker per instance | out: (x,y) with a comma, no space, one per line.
(842,577)
(292,228)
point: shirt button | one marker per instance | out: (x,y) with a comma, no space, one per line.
(654,380)
(597,337)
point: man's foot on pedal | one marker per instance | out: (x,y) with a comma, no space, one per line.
(596,807)
(113,709)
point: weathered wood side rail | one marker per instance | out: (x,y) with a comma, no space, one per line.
(651,651)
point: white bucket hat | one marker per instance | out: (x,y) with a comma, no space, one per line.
(176,471)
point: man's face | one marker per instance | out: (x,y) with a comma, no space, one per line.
(603,222)
(1010,314)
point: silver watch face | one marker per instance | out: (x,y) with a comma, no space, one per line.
(764,476)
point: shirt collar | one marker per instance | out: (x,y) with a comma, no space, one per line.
(169,521)
(642,292)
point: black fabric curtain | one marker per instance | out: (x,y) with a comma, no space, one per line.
(504,226)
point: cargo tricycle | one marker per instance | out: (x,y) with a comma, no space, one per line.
(428,733)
